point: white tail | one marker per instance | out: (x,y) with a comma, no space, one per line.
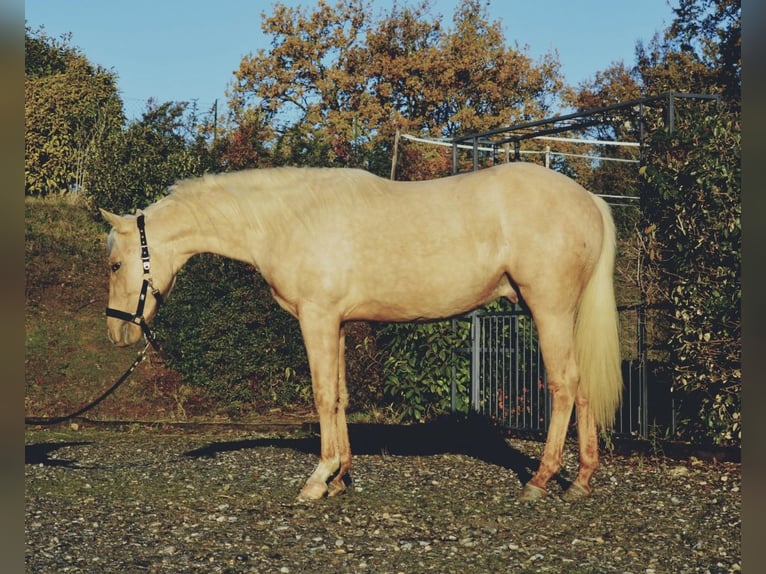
(597,339)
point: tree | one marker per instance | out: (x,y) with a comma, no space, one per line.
(45,56)
(70,108)
(135,167)
(246,144)
(700,51)
(303,81)
(337,84)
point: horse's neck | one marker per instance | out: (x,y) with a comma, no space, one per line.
(190,229)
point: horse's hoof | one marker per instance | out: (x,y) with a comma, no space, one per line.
(532,493)
(336,487)
(575,492)
(313,490)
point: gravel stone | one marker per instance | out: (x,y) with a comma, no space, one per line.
(160,502)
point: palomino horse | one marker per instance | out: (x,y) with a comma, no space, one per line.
(338,245)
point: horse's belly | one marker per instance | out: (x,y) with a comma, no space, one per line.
(429,298)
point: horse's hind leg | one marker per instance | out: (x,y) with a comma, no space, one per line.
(338,484)
(321,335)
(556,342)
(588,442)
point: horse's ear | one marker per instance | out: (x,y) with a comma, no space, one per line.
(114,220)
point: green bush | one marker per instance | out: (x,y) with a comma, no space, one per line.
(423,360)
(693,229)
(221,330)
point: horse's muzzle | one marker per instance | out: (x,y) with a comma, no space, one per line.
(123,333)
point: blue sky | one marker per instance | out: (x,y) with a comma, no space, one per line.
(188,50)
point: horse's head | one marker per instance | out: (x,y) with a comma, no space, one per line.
(139,275)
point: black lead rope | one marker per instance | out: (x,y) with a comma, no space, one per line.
(137,318)
(47,421)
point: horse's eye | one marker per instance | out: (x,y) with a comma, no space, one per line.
(116,267)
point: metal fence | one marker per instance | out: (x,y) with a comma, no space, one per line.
(508,381)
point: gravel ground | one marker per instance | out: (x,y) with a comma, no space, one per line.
(423,500)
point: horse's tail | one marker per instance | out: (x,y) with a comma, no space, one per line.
(597,340)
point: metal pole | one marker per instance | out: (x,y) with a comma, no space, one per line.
(454,158)
(642,366)
(671,113)
(475,362)
(215,120)
(396,153)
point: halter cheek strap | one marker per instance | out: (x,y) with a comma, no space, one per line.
(138,316)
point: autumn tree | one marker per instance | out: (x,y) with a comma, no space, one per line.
(700,52)
(337,84)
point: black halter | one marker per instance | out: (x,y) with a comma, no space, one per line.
(138,316)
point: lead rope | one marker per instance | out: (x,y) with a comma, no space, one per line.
(47,421)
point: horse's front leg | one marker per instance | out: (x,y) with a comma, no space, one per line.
(338,484)
(321,335)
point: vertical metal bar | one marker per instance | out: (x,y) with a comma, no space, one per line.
(642,378)
(508,370)
(531,405)
(632,409)
(453,382)
(671,113)
(454,158)
(491,352)
(475,153)
(641,133)
(498,364)
(475,362)
(518,365)
(635,411)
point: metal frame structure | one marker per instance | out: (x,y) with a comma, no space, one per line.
(517,133)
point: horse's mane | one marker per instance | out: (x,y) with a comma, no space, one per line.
(273,198)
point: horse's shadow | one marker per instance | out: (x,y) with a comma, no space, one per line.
(472,437)
(40,453)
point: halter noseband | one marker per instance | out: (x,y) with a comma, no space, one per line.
(138,316)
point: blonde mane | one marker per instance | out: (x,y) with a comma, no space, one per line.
(274,198)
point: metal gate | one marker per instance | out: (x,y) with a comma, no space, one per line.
(507,372)
(508,381)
